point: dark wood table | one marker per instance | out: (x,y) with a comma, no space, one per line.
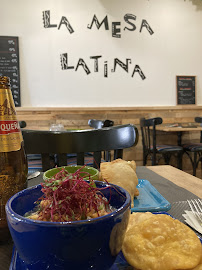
(174,185)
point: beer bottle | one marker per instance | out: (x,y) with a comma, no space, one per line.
(13,162)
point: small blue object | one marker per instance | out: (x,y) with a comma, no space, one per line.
(149,199)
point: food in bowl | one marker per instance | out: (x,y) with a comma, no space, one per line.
(68,197)
(84,244)
(160,242)
(121,173)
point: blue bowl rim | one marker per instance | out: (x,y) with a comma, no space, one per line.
(14,215)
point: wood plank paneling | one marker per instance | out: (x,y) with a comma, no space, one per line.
(71,118)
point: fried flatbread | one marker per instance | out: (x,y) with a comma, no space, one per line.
(198,267)
(121,173)
(159,242)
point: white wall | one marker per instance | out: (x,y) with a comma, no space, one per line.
(173,49)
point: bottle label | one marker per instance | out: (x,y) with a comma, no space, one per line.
(10,133)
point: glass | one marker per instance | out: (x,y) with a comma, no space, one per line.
(57,127)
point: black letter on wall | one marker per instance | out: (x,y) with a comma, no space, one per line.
(116,30)
(96,62)
(66,22)
(105,69)
(83,64)
(145,24)
(95,20)
(64,61)
(138,69)
(46,19)
(128,17)
(121,64)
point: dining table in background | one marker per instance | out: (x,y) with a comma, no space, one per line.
(179,130)
(173,184)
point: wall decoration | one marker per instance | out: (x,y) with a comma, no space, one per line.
(105,53)
(186,92)
(9,64)
(116,33)
(82,63)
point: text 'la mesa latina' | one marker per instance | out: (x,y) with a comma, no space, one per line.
(115,26)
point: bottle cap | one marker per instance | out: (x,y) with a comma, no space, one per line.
(5,80)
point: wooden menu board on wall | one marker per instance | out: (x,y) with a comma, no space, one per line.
(9,64)
(186,92)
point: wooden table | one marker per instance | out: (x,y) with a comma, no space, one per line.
(180,178)
(179,130)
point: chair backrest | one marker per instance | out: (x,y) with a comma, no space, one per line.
(22,124)
(100,123)
(148,131)
(97,124)
(199,120)
(79,141)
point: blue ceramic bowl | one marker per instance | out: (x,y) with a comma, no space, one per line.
(82,245)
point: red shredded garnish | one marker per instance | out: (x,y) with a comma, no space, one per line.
(68,197)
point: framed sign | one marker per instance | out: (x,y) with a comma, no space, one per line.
(186,92)
(9,64)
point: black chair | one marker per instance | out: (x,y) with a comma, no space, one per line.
(97,124)
(194,150)
(80,142)
(22,124)
(152,149)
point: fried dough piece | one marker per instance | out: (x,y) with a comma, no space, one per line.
(121,173)
(137,217)
(198,267)
(160,242)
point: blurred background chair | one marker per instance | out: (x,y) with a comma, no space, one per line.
(94,123)
(194,150)
(153,150)
(34,160)
(22,124)
(79,141)
(97,124)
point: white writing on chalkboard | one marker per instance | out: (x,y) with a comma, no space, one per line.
(9,64)
(186,90)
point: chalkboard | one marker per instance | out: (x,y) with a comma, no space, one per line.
(9,64)
(186,92)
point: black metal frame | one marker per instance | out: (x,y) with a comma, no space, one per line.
(197,153)
(97,124)
(148,130)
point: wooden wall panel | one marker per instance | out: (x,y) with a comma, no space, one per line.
(71,118)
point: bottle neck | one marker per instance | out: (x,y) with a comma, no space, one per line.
(4,82)
(10,133)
